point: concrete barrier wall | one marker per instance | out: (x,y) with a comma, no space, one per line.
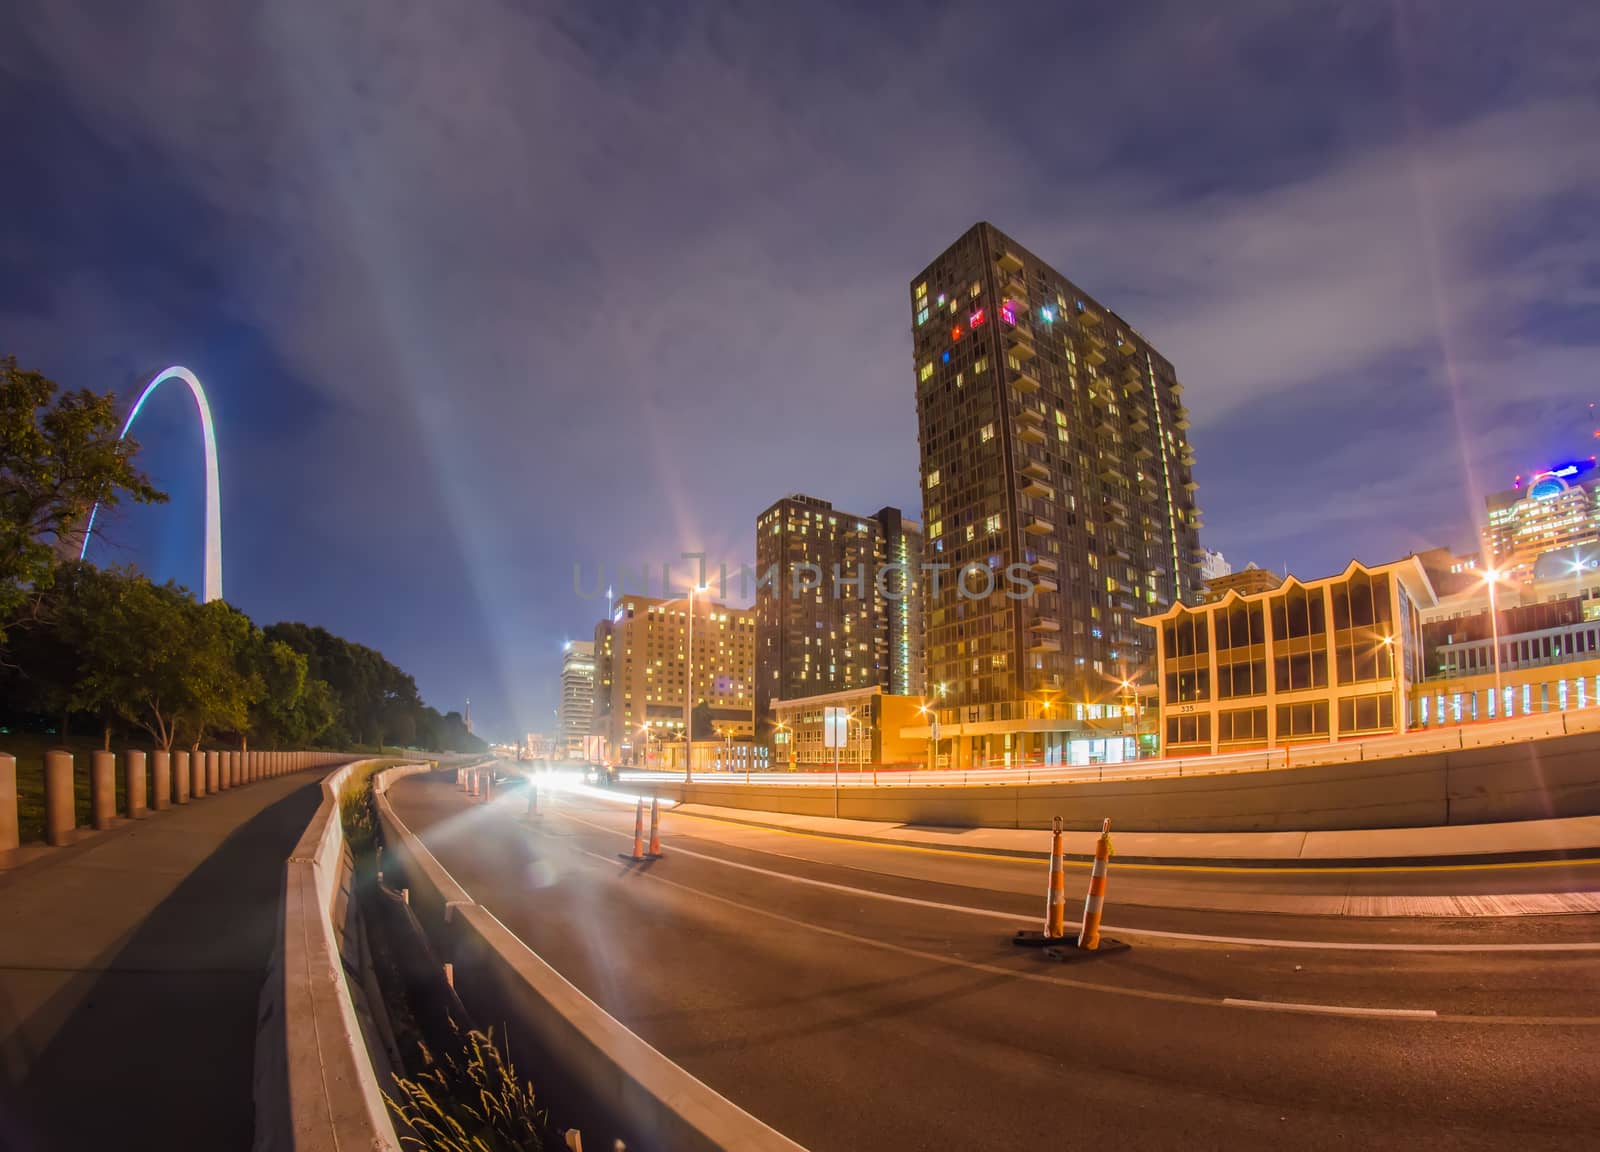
(1539,778)
(588,1060)
(316,1088)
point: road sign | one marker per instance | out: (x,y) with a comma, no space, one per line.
(835,727)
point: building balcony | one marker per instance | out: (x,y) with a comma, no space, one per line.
(1143,451)
(1024,381)
(1127,348)
(1036,469)
(1045,564)
(1180,418)
(1015,289)
(1046,584)
(1019,342)
(1009,262)
(1110,469)
(1100,394)
(1191,484)
(1030,433)
(1176,388)
(1035,488)
(1186,458)
(1094,355)
(1121,553)
(1037,525)
(1113,504)
(1044,624)
(1087,314)
(1104,426)
(1042,643)
(1031,416)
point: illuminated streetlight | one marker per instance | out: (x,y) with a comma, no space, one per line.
(1491,578)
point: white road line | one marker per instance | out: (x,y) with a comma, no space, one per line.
(1144,933)
(1330,1009)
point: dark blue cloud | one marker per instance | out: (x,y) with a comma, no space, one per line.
(485,290)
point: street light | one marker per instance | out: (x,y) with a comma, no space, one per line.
(1130,694)
(1491,578)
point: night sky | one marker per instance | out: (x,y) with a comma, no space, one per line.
(480,291)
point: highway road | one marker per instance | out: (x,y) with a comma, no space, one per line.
(859,996)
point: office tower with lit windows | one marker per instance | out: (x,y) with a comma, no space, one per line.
(1546,527)
(577,695)
(1052,436)
(649,642)
(816,634)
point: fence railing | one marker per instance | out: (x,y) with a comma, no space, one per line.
(151,781)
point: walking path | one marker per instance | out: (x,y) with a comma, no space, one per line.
(130,967)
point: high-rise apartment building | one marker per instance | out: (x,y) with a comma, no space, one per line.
(600,722)
(577,695)
(1053,436)
(1553,518)
(839,606)
(649,640)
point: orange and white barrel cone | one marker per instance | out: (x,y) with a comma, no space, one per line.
(655,828)
(638,834)
(1089,934)
(1055,906)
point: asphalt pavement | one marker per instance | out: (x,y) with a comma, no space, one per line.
(861,996)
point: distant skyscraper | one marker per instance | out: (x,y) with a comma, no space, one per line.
(1213,564)
(577,695)
(1053,436)
(815,634)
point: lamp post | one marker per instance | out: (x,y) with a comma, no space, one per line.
(1130,695)
(1491,577)
(955,745)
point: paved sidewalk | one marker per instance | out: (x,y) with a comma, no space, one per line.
(1574,838)
(130,967)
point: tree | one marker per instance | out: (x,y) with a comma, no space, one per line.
(701,724)
(219,686)
(59,456)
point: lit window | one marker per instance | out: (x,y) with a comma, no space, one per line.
(992,524)
(935,529)
(970,531)
(986,433)
(922,317)
(933,478)
(955,333)
(975,319)
(975,289)
(1061,418)
(979,367)
(922,290)
(925,372)
(1008,312)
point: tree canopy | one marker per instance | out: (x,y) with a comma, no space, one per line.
(59,456)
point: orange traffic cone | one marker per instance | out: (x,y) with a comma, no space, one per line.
(638,834)
(1055,907)
(1089,934)
(655,827)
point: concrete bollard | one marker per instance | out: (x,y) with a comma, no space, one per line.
(60,818)
(180,776)
(161,779)
(102,789)
(230,768)
(213,771)
(133,784)
(224,772)
(197,773)
(8,803)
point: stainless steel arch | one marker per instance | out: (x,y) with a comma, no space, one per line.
(212,589)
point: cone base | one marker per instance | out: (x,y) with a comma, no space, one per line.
(1026,939)
(1068,952)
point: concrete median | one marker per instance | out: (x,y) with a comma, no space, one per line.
(1557,776)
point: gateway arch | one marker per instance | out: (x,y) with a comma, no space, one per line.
(212,588)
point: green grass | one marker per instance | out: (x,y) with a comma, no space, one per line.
(469,1100)
(29,750)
